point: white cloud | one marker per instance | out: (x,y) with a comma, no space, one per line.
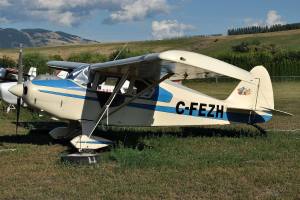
(72,12)
(169,29)
(61,18)
(139,10)
(273,18)
(4,3)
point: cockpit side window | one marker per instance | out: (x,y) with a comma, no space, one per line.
(140,85)
(103,83)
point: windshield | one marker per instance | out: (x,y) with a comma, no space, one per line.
(80,75)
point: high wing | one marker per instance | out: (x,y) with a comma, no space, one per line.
(65,65)
(183,64)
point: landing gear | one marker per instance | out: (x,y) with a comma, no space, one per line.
(85,143)
(10,107)
(262,131)
(87,147)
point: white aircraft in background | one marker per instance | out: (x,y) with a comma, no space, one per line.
(150,97)
(5,95)
(11,99)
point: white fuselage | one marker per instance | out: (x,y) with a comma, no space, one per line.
(170,104)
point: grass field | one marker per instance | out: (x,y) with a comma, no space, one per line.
(212,46)
(233,162)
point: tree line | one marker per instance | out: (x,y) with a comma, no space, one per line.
(283,63)
(263,29)
(40,60)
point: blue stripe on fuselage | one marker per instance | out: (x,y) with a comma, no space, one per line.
(160,94)
(69,95)
(169,109)
(62,84)
(228,116)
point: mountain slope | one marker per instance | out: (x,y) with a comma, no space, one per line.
(11,38)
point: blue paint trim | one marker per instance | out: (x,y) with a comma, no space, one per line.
(267,117)
(69,95)
(162,95)
(227,116)
(62,84)
(263,118)
(169,109)
(244,117)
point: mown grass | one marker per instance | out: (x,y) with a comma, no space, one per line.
(233,162)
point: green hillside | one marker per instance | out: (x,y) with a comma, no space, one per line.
(279,52)
(287,40)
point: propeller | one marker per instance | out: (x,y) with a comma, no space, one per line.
(20,81)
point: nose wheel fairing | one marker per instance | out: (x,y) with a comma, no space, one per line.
(85,143)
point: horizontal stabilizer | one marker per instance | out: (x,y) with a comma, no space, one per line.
(280,112)
(274,111)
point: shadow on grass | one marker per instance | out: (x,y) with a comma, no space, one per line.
(44,126)
(37,134)
(133,137)
(36,137)
(128,137)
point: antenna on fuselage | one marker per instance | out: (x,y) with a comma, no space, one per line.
(123,48)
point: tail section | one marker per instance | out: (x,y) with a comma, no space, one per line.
(255,99)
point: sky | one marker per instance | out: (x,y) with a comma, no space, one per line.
(128,20)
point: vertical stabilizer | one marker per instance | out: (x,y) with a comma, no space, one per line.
(256,97)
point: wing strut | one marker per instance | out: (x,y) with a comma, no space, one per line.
(109,101)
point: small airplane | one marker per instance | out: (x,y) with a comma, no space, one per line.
(150,97)
(8,97)
(9,78)
(11,74)
(8,74)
